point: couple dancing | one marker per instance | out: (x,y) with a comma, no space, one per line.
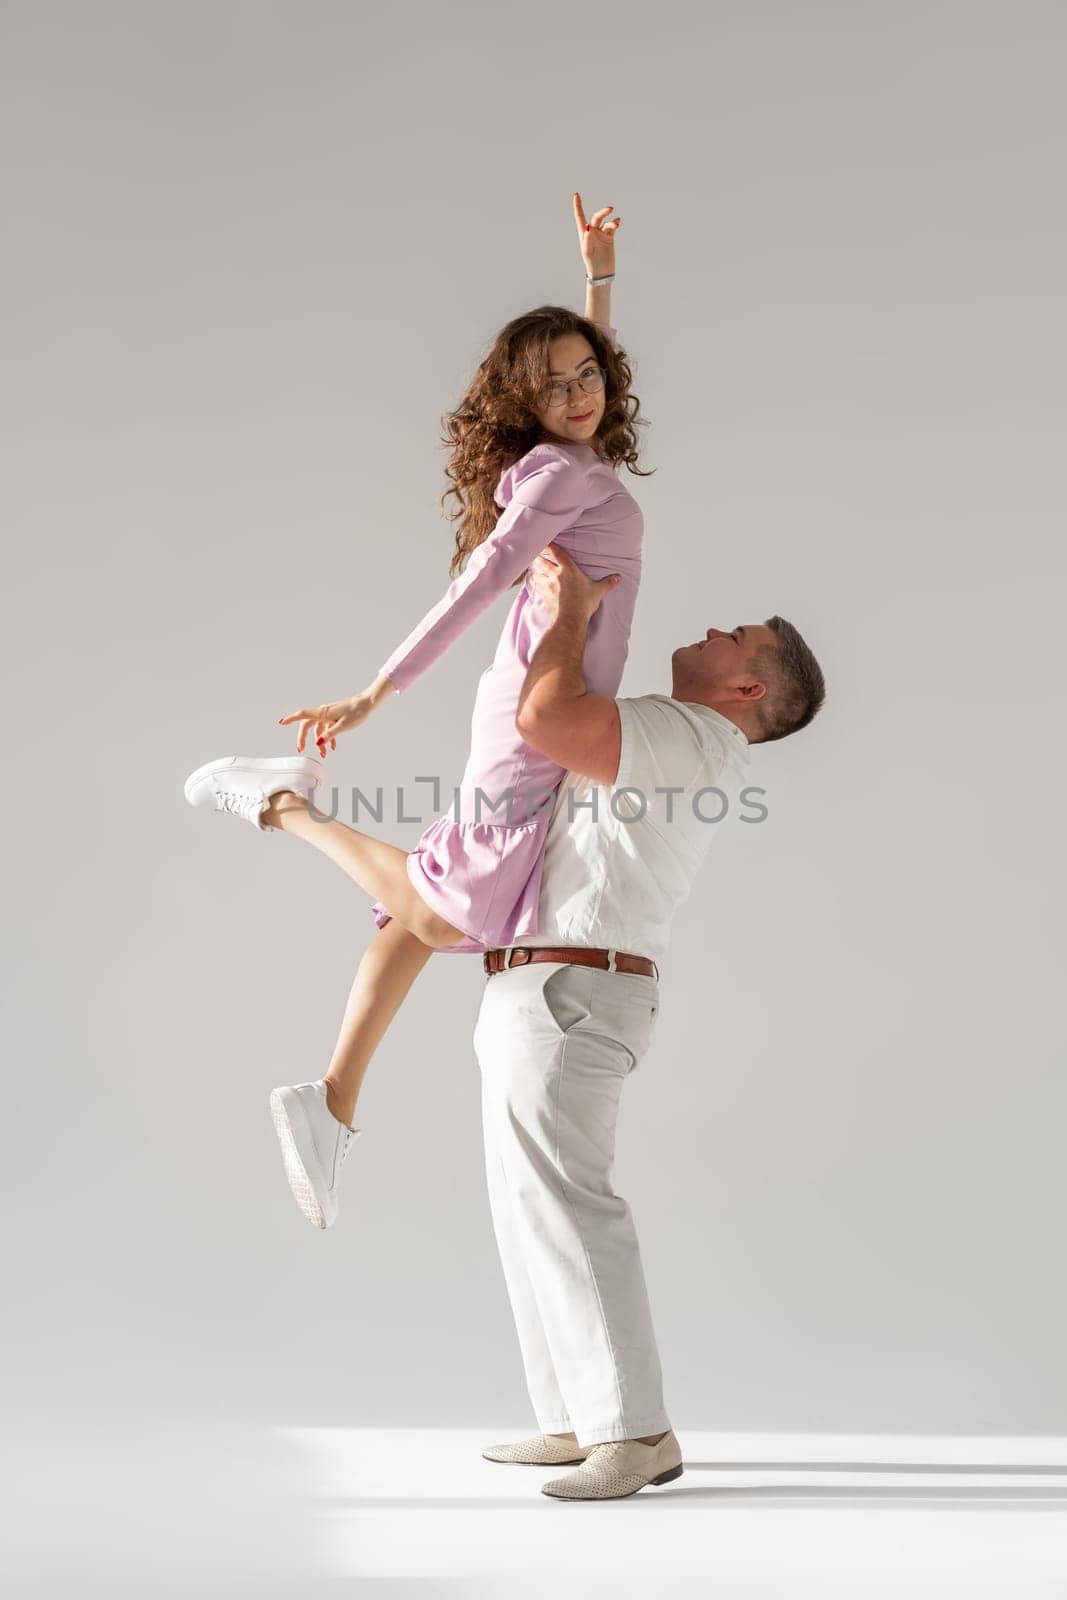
(580,824)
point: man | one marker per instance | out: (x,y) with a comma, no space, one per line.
(567,1017)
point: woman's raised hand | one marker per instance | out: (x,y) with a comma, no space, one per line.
(597,239)
(330,719)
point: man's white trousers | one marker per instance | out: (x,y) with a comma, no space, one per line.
(555,1043)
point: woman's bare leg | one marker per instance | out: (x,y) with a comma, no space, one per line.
(391,963)
(379,868)
(395,956)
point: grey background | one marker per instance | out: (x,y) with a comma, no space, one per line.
(252,253)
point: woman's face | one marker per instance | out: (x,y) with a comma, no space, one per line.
(570,413)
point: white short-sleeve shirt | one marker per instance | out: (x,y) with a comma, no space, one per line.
(619,858)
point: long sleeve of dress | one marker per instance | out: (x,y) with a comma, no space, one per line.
(548,490)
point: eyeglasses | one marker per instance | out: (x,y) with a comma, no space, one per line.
(556,394)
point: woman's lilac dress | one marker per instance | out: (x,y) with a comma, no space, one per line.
(480,867)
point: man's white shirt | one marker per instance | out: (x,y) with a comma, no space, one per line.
(621,857)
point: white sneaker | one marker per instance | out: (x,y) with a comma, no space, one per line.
(314,1145)
(244,784)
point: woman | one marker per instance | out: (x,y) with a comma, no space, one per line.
(537,438)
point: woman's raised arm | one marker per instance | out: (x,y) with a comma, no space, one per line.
(597,241)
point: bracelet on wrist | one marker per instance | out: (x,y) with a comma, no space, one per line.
(595,283)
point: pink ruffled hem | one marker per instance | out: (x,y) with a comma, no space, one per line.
(482,877)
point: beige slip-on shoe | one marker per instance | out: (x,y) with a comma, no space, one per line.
(620,1467)
(542,1451)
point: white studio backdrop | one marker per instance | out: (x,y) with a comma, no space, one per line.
(253,254)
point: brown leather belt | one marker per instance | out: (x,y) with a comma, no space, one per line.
(576,955)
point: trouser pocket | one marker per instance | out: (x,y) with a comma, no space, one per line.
(565,996)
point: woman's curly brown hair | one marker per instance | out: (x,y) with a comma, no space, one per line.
(495,422)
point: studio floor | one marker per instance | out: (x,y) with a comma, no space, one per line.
(223,1509)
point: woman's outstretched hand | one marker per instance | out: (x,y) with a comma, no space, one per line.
(597,239)
(328,720)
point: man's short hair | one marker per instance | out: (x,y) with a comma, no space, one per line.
(795,685)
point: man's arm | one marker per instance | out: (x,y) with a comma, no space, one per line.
(558,715)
